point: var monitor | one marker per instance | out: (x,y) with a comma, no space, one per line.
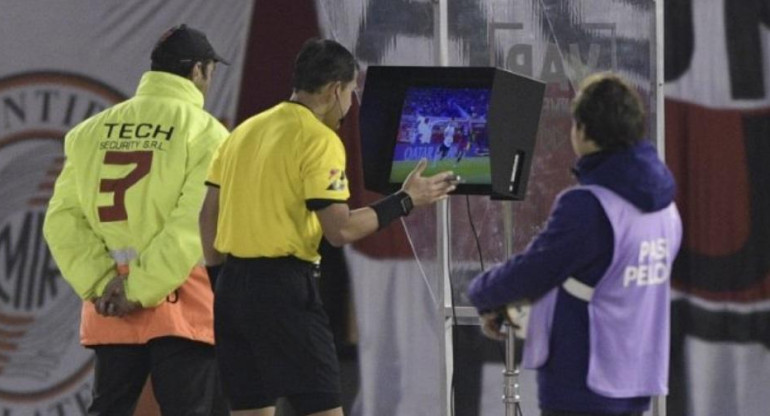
(479,123)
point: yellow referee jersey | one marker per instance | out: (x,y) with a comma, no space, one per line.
(268,170)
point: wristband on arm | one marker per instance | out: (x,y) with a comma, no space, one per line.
(213,272)
(392,207)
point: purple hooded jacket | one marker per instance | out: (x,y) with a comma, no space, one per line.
(578,242)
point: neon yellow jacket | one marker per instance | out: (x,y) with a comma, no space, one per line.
(131,189)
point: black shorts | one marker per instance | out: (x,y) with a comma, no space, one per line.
(272,334)
(185,379)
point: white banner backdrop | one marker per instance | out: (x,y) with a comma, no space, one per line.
(62,62)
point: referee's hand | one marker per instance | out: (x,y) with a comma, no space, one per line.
(427,190)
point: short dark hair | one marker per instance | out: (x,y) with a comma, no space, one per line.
(183,69)
(321,61)
(610,111)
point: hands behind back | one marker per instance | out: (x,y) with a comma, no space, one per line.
(113,301)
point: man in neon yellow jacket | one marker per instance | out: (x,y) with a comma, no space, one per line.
(122,227)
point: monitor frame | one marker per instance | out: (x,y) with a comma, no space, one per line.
(512,120)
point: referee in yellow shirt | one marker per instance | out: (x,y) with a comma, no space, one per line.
(276,186)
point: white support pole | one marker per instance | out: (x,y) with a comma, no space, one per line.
(441,57)
(440,33)
(659,402)
(660,80)
(445,304)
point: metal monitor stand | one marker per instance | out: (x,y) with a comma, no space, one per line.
(511,396)
(447,311)
(466,315)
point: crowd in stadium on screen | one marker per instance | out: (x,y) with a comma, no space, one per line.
(428,112)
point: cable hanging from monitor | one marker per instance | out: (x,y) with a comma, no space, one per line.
(475,233)
(423,275)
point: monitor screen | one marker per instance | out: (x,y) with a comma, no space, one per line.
(448,127)
(479,122)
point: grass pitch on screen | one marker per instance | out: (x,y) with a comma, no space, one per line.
(472,170)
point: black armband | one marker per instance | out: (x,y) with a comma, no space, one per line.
(213,272)
(391,208)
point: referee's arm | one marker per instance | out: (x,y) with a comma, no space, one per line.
(207,222)
(341,225)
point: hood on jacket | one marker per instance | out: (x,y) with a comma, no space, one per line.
(637,174)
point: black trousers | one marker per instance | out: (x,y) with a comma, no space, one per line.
(185,378)
(560,413)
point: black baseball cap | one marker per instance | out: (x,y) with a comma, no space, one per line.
(183,43)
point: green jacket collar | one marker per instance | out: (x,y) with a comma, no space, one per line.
(164,84)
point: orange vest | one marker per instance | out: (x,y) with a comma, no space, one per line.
(186,313)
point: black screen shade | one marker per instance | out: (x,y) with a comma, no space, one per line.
(479,122)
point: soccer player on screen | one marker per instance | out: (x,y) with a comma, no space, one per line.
(424,130)
(449,133)
(464,143)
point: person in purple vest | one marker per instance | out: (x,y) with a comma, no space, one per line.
(598,274)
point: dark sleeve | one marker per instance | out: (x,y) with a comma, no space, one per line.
(319,204)
(577,241)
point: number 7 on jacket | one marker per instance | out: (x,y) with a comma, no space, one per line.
(143,161)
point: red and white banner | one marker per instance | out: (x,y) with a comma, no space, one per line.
(718,145)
